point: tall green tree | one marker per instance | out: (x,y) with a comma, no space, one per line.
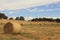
(2,15)
(57,20)
(17,18)
(11,18)
(21,18)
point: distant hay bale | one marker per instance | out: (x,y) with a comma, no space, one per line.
(12,27)
(22,24)
(41,24)
(30,23)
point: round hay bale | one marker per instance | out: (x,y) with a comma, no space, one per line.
(12,27)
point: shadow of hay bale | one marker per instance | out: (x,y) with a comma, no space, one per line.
(12,27)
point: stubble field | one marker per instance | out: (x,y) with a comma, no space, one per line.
(33,31)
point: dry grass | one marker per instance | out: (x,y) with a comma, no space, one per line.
(34,31)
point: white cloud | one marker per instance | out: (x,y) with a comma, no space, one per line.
(20,4)
(46,17)
(14,17)
(29,18)
(51,17)
(54,17)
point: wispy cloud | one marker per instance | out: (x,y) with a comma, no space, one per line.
(21,4)
(11,12)
(42,10)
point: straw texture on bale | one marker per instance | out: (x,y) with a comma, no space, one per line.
(12,27)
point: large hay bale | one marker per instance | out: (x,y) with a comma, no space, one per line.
(12,27)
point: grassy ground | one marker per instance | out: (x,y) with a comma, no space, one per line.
(34,31)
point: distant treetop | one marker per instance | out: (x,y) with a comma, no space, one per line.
(2,15)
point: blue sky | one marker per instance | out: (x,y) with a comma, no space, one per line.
(31,9)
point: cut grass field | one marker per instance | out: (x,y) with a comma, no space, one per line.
(34,31)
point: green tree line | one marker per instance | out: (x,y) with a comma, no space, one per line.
(46,19)
(3,16)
